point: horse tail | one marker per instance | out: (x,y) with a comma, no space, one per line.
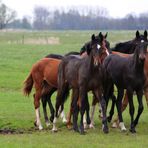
(63,86)
(28,84)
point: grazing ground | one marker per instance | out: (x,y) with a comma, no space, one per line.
(18,51)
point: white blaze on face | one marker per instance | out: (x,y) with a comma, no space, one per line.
(142,41)
(98,46)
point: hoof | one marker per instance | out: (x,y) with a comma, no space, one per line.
(132,131)
(114,125)
(47,124)
(85,126)
(40,127)
(105,129)
(82,132)
(51,119)
(64,120)
(54,130)
(91,126)
(122,126)
(76,130)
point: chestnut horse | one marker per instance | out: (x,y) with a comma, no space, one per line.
(45,69)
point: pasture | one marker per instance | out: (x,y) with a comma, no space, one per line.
(19,50)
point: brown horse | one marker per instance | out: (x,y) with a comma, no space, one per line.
(45,69)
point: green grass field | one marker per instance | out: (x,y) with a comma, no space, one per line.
(17,112)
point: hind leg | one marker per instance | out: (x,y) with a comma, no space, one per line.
(62,114)
(124,105)
(94,102)
(62,94)
(44,103)
(52,111)
(37,97)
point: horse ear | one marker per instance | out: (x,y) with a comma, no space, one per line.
(145,34)
(88,48)
(137,34)
(93,37)
(101,36)
(106,35)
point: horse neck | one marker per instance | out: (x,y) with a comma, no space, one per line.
(90,63)
(125,47)
(138,66)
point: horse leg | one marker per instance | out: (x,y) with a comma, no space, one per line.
(37,97)
(57,106)
(119,104)
(111,113)
(44,103)
(124,105)
(111,93)
(104,119)
(140,108)
(75,107)
(88,121)
(94,102)
(52,111)
(83,97)
(131,110)
(63,117)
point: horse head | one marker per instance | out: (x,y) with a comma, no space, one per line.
(140,51)
(97,49)
(140,38)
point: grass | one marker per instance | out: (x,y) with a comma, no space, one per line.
(17,111)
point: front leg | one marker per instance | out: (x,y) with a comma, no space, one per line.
(83,106)
(119,105)
(140,107)
(101,99)
(131,110)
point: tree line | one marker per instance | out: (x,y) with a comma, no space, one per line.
(71,19)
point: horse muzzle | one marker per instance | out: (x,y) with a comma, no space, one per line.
(142,57)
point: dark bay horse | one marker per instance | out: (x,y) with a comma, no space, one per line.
(82,75)
(126,73)
(120,47)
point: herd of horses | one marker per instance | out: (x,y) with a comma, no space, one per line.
(97,68)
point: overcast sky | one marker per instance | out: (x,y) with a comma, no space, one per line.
(116,8)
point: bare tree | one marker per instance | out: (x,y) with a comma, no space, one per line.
(41,18)
(6,15)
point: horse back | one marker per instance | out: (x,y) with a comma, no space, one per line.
(46,69)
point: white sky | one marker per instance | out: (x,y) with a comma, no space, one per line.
(116,8)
